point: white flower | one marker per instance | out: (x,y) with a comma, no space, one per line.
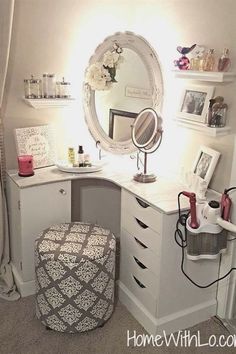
(97,77)
(117,48)
(110,59)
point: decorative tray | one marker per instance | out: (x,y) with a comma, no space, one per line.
(66,167)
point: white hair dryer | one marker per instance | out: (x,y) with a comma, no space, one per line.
(212,213)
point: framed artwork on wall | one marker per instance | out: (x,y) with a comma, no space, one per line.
(120,124)
(194,103)
(37,141)
(205,163)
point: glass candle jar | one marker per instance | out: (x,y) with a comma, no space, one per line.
(63,89)
(33,88)
(49,86)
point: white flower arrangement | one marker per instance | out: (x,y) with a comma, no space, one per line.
(101,75)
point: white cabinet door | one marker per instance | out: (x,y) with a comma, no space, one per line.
(40,207)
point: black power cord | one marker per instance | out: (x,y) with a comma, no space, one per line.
(181,240)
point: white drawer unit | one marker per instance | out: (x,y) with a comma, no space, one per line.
(141,226)
(151,283)
(32,210)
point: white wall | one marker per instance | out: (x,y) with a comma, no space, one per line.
(60,36)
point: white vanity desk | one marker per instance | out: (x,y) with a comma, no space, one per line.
(151,284)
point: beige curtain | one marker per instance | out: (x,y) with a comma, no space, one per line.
(7,286)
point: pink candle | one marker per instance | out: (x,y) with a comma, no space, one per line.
(25,164)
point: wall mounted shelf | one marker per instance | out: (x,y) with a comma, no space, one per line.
(39,103)
(210,131)
(213,76)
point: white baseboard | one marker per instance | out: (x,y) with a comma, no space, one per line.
(170,324)
(24,288)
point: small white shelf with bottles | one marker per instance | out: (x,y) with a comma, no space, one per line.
(213,76)
(39,103)
(204,129)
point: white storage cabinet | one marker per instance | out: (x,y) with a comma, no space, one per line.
(31,210)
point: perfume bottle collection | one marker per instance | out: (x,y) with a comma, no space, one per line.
(48,87)
(202,59)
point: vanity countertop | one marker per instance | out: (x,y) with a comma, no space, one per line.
(161,194)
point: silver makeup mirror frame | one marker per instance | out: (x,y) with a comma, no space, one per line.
(151,138)
(141,46)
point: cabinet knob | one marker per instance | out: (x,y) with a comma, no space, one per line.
(62,191)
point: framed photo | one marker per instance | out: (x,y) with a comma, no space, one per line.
(120,124)
(36,141)
(194,103)
(205,163)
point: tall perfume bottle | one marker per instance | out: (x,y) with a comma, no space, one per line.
(209,61)
(224,61)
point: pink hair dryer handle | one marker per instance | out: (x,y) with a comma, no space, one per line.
(225,206)
(193,212)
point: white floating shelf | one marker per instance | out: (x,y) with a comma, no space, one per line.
(214,76)
(39,103)
(205,129)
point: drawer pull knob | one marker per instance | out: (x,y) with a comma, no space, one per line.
(139,283)
(140,264)
(144,226)
(140,243)
(142,203)
(62,191)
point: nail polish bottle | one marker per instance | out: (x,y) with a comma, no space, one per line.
(224,61)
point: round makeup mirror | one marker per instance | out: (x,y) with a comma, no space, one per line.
(123,77)
(147,136)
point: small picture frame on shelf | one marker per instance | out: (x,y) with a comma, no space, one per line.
(205,163)
(194,103)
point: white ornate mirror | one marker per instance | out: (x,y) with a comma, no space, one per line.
(123,78)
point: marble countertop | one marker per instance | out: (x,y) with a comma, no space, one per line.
(161,194)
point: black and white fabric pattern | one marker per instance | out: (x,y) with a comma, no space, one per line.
(75,274)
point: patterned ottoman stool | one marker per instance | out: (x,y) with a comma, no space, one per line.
(75,270)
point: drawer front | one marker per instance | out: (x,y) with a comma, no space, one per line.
(141,252)
(141,231)
(130,263)
(138,288)
(141,210)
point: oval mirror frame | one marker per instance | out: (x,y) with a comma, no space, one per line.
(141,46)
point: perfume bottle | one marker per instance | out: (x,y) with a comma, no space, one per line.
(209,61)
(195,63)
(224,61)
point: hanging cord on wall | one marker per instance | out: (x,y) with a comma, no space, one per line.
(181,240)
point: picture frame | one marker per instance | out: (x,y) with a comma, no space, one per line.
(120,123)
(205,163)
(194,103)
(37,141)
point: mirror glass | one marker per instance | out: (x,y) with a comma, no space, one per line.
(144,128)
(135,83)
(132,73)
